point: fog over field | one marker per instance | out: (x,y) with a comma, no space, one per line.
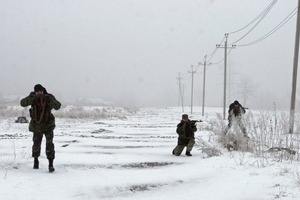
(130,52)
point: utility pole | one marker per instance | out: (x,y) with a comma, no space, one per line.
(180,92)
(295,69)
(192,90)
(204,72)
(183,86)
(225,72)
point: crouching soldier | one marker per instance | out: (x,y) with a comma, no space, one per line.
(186,138)
(42,122)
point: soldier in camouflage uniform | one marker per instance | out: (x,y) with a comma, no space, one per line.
(235,112)
(42,122)
(186,138)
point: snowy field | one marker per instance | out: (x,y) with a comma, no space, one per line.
(130,158)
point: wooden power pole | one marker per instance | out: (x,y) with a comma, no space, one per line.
(295,69)
(225,72)
(204,77)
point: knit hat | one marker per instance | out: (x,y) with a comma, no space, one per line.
(236,102)
(38,87)
(185,116)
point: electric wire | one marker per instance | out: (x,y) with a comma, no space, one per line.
(185,76)
(276,28)
(256,24)
(218,62)
(260,17)
(257,17)
(211,55)
(264,12)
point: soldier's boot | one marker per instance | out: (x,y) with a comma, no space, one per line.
(173,152)
(187,153)
(36,163)
(50,167)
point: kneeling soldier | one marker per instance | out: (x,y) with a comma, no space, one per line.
(186,138)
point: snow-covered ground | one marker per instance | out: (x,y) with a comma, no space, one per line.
(131,158)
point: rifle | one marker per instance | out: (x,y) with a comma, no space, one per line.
(193,122)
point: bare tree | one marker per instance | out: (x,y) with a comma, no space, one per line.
(246,90)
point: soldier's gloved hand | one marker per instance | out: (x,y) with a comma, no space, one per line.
(32,94)
(47,98)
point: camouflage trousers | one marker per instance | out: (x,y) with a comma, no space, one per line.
(37,141)
(188,143)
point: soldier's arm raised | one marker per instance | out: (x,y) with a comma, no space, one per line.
(53,103)
(27,100)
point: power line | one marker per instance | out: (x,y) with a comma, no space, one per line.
(185,76)
(211,55)
(218,62)
(267,8)
(276,28)
(265,12)
(256,24)
(261,16)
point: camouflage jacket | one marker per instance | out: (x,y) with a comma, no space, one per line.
(186,130)
(42,120)
(236,110)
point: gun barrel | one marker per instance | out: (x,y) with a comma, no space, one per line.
(194,121)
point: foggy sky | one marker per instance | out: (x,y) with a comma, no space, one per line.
(131,51)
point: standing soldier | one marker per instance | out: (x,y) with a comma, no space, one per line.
(186,138)
(42,122)
(235,112)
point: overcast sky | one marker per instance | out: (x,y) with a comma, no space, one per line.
(131,51)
